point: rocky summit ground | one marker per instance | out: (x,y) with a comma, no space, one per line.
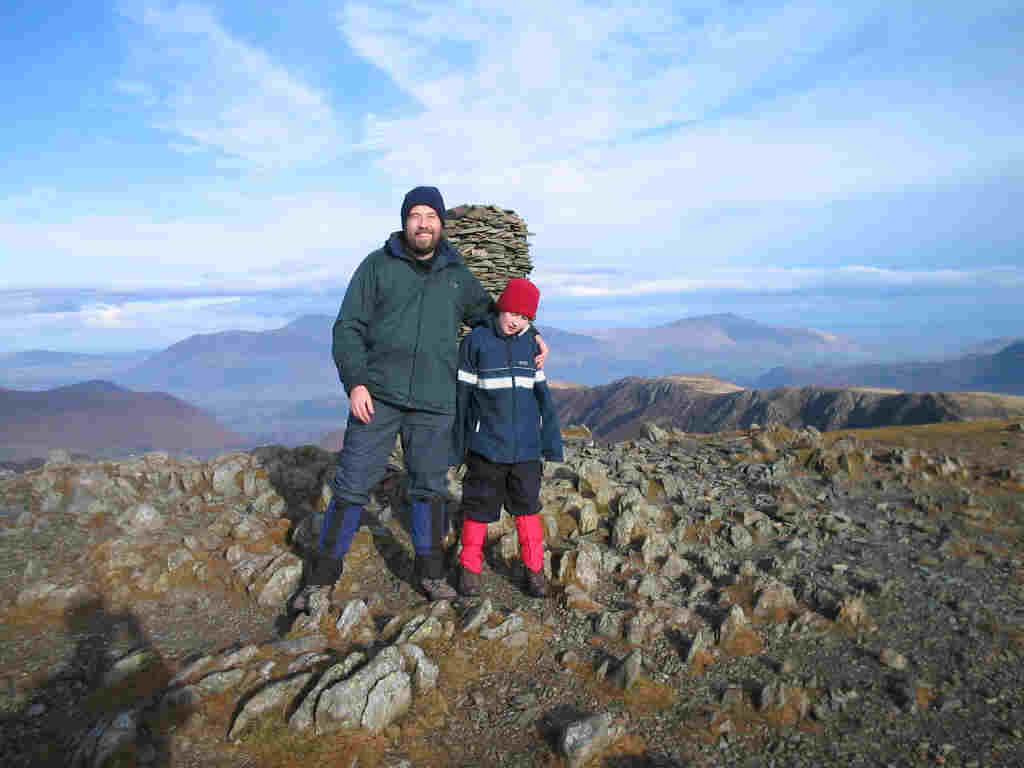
(771,597)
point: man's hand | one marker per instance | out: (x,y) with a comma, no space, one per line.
(361,404)
(539,359)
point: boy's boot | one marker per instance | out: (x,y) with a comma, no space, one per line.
(537,583)
(472,556)
(428,523)
(531,550)
(469,582)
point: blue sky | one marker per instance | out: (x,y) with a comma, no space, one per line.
(180,168)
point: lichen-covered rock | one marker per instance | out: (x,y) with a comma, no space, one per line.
(425,673)
(774,601)
(388,700)
(477,615)
(218,682)
(701,642)
(141,518)
(512,624)
(740,537)
(583,739)
(277,694)
(626,673)
(610,623)
(53,599)
(343,704)
(286,578)
(588,565)
(655,547)
(227,479)
(593,481)
(304,716)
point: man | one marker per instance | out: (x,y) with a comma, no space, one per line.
(395,349)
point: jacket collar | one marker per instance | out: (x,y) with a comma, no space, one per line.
(492,321)
(444,255)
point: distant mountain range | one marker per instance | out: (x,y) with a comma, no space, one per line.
(725,345)
(1002,371)
(289,363)
(100,419)
(281,386)
(41,369)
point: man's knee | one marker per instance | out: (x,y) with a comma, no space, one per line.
(362,462)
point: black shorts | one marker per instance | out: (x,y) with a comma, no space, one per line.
(489,485)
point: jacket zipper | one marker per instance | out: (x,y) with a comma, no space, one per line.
(419,332)
(515,400)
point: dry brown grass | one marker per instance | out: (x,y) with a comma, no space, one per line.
(272,744)
(743,719)
(702,532)
(950,437)
(924,695)
(744,642)
(706,384)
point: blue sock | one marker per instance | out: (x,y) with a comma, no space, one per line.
(343,530)
(421,527)
(350,520)
(326,524)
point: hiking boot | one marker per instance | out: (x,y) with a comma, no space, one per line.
(469,582)
(438,589)
(537,583)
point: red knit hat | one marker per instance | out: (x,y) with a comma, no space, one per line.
(520,295)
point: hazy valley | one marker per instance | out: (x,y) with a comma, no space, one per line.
(281,387)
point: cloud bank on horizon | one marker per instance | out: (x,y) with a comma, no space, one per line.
(180,168)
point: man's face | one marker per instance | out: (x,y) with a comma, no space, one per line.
(512,323)
(422,230)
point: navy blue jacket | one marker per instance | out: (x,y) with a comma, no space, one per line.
(504,410)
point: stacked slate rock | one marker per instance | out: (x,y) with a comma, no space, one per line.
(493,243)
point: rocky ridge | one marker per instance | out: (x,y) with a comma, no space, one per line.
(764,597)
(620,410)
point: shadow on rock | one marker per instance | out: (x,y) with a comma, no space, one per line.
(103,704)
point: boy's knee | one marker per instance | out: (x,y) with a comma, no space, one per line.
(479,514)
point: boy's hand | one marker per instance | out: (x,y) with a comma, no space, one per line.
(543,355)
(361,404)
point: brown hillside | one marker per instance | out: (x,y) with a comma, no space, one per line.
(100,419)
(619,411)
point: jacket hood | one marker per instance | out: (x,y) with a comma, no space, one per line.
(444,254)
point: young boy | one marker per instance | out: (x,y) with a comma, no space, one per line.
(505,422)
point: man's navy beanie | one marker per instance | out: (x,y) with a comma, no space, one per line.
(423,196)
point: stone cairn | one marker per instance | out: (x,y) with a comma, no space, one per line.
(493,243)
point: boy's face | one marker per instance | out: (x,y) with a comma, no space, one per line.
(512,323)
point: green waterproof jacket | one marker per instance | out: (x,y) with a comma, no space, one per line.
(397,330)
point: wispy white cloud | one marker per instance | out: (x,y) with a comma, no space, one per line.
(226,96)
(32,201)
(663,154)
(567,112)
(108,323)
(573,297)
(136,89)
(254,232)
(140,314)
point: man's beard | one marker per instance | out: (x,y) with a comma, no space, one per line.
(421,250)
